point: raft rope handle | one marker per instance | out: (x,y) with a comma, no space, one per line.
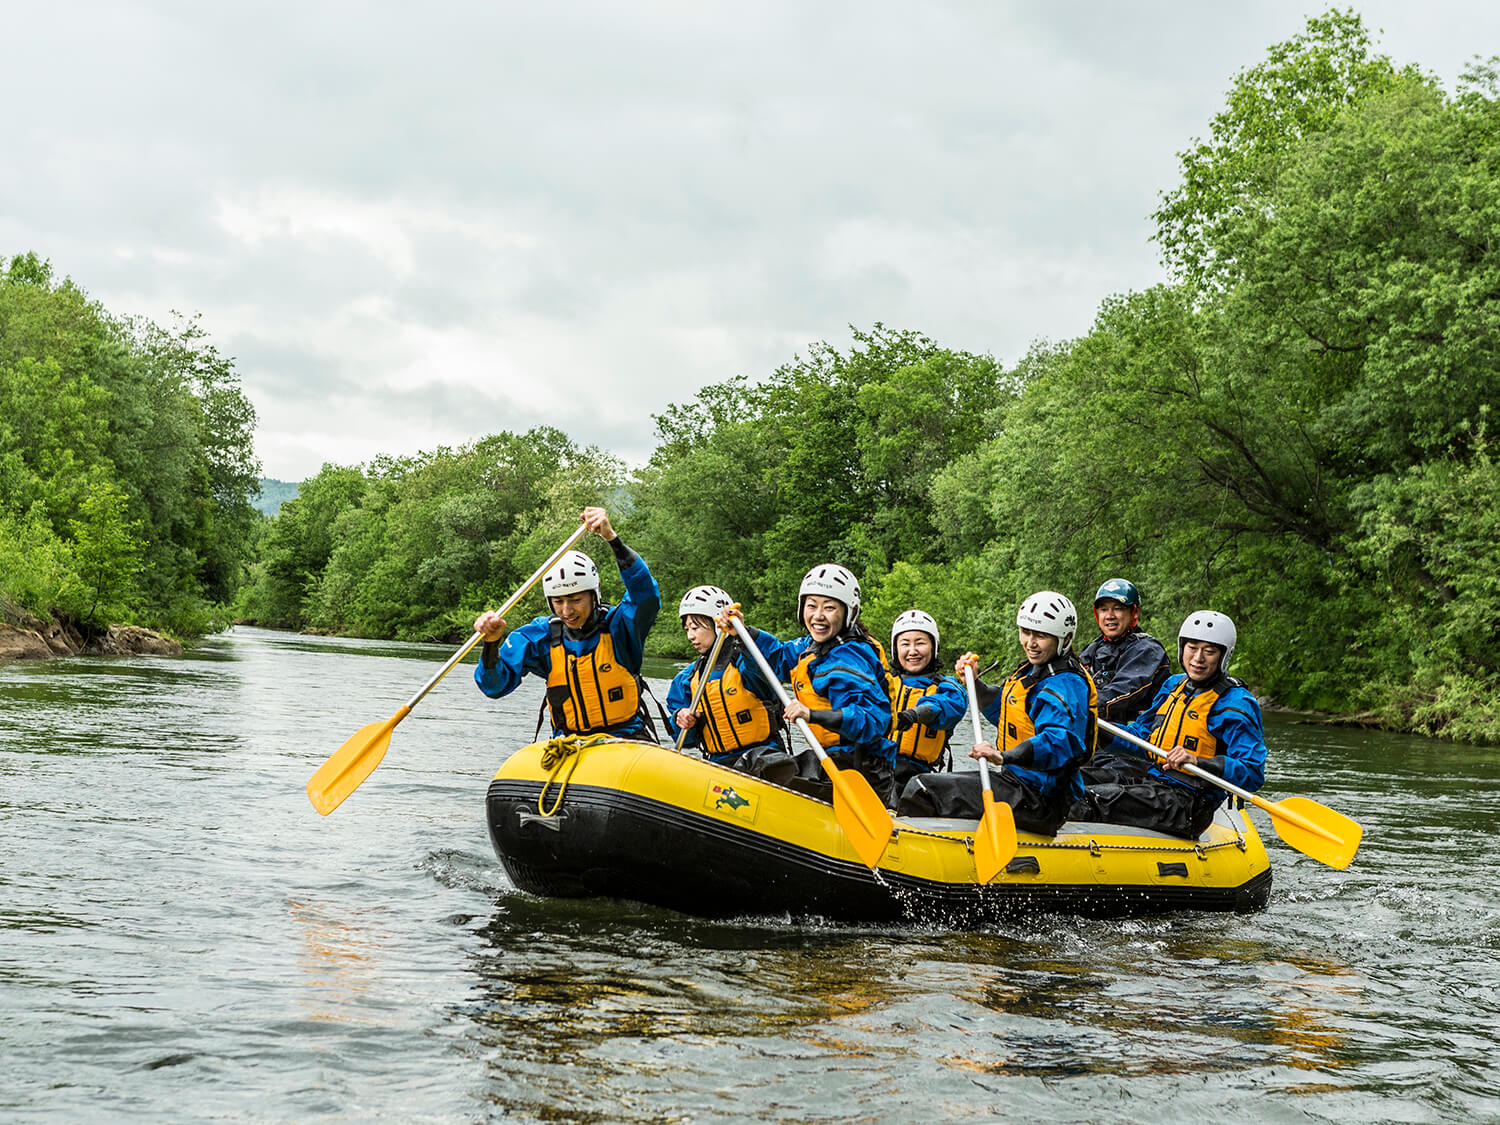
(1094,847)
(563,750)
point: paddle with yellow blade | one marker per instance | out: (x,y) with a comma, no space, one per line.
(1314,830)
(859,812)
(346,770)
(708,667)
(995,842)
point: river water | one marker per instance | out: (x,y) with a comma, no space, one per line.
(183,938)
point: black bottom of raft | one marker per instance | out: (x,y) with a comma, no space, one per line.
(605,842)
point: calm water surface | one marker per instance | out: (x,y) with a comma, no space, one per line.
(183,938)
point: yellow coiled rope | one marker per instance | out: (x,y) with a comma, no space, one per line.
(563,751)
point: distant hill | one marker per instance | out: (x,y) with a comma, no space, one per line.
(273,494)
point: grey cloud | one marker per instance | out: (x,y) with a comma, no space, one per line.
(647,198)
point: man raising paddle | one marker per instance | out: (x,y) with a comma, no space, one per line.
(589,653)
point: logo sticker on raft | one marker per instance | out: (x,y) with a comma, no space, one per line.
(726,799)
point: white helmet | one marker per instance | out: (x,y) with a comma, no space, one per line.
(574,573)
(830,580)
(705,601)
(1215,628)
(914,619)
(1047,611)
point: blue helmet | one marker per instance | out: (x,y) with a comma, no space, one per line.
(1121,591)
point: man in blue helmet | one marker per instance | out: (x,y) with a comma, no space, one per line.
(1128,667)
(1205,717)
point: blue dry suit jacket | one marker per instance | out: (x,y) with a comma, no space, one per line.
(850,676)
(1127,673)
(1059,710)
(680,695)
(1234,721)
(528,649)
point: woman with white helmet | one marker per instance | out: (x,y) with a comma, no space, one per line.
(738,721)
(837,673)
(589,653)
(926,704)
(1044,716)
(1203,716)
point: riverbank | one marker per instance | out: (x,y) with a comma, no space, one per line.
(43,640)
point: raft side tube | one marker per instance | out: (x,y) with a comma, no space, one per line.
(639,822)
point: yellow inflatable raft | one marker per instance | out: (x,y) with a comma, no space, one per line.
(576,817)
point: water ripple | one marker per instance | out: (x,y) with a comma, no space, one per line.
(182,936)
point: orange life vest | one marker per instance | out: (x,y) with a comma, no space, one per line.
(735,717)
(1183,719)
(916,741)
(591,691)
(1015,723)
(802,688)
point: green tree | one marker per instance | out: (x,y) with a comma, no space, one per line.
(830,459)
(298,546)
(107,555)
(37,571)
(1228,181)
(1429,540)
(414,546)
(92,404)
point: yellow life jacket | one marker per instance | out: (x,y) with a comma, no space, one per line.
(1015,722)
(916,741)
(802,689)
(592,691)
(735,717)
(1183,719)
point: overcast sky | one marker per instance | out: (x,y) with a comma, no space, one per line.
(416,224)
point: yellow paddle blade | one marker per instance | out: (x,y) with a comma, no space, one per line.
(1315,830)
(349,765)
(860,814)
(995,842)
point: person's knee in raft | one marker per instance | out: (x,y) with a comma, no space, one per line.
(1202,717)
(1043,715)
(837,672)
(926,703)
(738,721)
(1128,667)
(587,651)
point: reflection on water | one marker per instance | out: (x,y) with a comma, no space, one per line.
(677,979)
(1153,1001)
(575,996)
(182,936)
(585,1001)
(338,961)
